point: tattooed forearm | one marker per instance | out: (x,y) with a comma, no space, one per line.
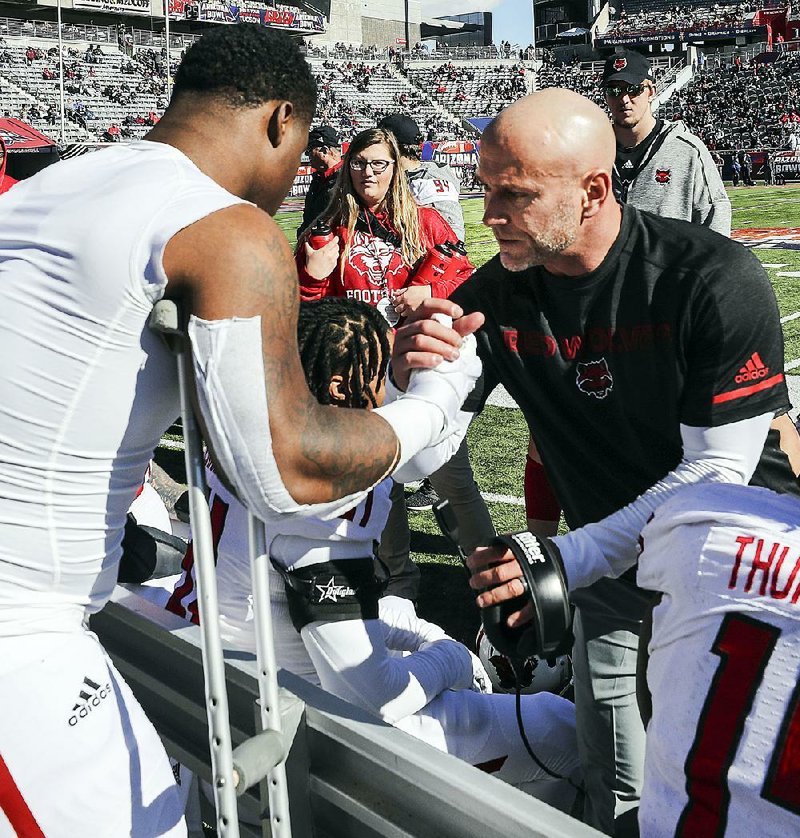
(351,449)
(322,453)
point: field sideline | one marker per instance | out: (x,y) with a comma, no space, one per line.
(498,438)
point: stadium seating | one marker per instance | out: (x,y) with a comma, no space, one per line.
(103,88)
(750,106)
(660,16)
(480,89)
(115,87)
(354,96)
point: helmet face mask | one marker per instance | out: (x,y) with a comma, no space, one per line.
(538,675)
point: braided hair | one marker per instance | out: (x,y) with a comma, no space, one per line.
(340,336)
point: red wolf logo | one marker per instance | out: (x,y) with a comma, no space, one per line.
(663,176)
(594,378)
(373,259)
(620,64)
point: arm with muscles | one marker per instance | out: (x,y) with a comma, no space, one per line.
(279,449)
(726,454)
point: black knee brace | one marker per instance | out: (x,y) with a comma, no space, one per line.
(346,589)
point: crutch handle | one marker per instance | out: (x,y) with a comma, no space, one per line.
(256,757)
(165,320)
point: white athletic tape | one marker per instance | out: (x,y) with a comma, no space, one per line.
(428,412)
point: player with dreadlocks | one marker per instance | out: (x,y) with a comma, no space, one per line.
(331,625)
(330,350)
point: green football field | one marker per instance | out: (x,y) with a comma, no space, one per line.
(498,437)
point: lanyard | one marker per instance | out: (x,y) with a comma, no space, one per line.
(384,305)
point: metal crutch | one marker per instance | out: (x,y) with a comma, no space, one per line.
(263,755)
(268,676)
(164,320)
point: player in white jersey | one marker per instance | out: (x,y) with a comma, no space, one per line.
(86,248)
(723,743)
(341,636)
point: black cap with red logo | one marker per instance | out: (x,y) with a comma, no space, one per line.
(628,66)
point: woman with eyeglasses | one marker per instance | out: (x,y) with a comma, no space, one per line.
(381,236)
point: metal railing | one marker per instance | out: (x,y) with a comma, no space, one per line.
(348,773)
(48,30)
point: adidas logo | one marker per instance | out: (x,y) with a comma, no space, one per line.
(627,165)
(88,698)
(752,370)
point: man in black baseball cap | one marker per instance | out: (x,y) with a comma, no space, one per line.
(405,130)
(660,166)
(325,157)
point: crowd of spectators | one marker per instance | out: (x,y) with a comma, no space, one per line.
(744,105)
(346,52)
(680,18)
(573,76)
(108,95)
(353,96)
(748,104)
(472,90)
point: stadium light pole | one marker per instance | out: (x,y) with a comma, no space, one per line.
(166,36)
(61,72)
(533,27)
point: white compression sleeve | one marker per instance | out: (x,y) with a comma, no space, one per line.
(430,459)
(726,454)
(352,662)
(229,377)
(403,630)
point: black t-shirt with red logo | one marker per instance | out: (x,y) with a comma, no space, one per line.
(677,325)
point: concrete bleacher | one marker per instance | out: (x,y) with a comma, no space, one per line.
(355,95)
(103,85)
(473,89)
(98,94)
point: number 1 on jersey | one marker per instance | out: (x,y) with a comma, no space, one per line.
(744,646)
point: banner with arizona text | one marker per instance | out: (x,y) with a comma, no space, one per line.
(455,153)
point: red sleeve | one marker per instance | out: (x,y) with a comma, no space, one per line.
(435,230)
(6,182)
(541,503)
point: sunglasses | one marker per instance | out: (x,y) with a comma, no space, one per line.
(617,90)
(357,164)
